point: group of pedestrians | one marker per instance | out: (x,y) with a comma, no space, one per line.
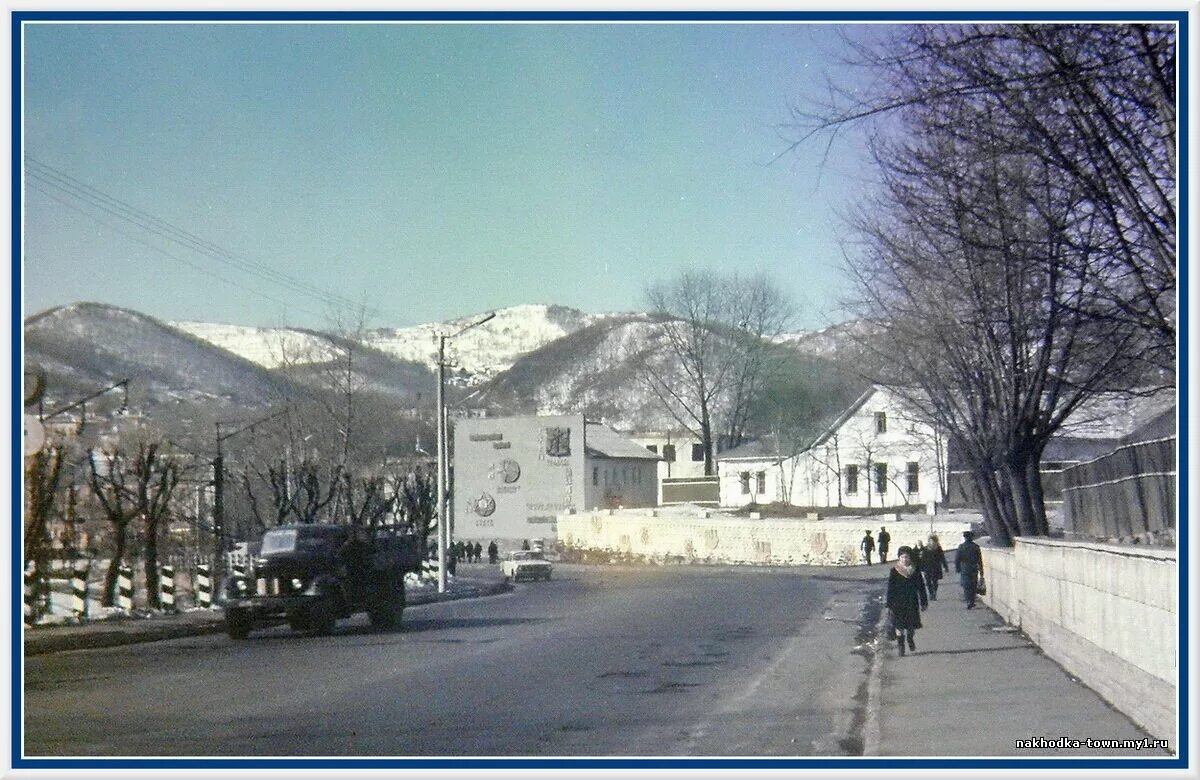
(472,552)
(467,552)
(913,582)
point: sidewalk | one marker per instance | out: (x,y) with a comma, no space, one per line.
(195,622)
(975,685)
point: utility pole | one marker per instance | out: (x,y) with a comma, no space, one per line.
(219,491)
(443,454)
(218,511)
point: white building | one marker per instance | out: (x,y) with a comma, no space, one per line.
(877,453)
(681,452)
(512,475)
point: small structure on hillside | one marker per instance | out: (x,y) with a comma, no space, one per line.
(514,474)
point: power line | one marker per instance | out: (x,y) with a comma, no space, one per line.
(64,182)
(164,252)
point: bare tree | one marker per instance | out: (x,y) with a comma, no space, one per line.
(416,502)
(108,477)
(719,331)
(43,478)
(155,477)
(1092,104)
(369,503)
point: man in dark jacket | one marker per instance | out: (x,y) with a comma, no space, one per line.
(933,564)
(867,545)
(493,551)
(968,562)
(885,540)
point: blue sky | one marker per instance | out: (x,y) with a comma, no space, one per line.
(430,171)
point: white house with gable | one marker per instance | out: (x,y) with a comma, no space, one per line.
(876,453)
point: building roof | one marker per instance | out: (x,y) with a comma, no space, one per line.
(1117,415)
(765,448)
(1158,427)
(841,419)
(603,442)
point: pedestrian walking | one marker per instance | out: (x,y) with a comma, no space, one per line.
(867,545)
(885,540)
(493,552)
(524,544)
(478,552)
(968,562)
(933,565)
(906,598)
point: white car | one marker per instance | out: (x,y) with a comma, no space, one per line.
(526,564)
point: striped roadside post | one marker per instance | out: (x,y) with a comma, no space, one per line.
(30,598)
(125,587)
(203,585)
(166,586)
(429,569)
(79,577)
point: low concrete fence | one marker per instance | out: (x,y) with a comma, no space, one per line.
(1108,614)
(711,537)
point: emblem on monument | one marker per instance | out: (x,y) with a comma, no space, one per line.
(485,505)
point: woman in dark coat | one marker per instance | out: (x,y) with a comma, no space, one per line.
(932,564)
(906,598)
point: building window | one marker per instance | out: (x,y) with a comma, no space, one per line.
(558,442)
(669,453)
(914,477)
(880,422)
(595,475)
(745,479)
(881,478)
(697,453)
(851,479)
(761,487)
(653,448)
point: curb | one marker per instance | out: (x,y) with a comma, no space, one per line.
(102,637)
(870,729)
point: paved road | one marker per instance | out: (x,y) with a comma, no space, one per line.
(599,661)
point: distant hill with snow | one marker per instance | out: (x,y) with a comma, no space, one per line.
(85,346)
(527,359)
(476,355)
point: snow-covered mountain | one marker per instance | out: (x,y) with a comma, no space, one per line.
(268,347)
(527,359)
(476,355)
(843,338)
(488,349)
(84,346)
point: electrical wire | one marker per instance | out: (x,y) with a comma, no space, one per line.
(52,177)
(164,252)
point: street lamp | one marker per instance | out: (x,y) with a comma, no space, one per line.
(443,454)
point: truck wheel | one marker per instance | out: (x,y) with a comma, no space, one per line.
(323,625)
(237,623)
(388,611)
(298,621)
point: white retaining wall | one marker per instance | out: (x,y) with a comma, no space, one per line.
(1106,613)
(712,537)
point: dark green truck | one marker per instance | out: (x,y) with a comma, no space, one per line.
(313,575)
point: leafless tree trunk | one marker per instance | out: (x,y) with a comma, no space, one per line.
(718,331)
(43,476)
(155,479)
(997,263)
(108,478)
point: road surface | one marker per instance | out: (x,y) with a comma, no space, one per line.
(599,661)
